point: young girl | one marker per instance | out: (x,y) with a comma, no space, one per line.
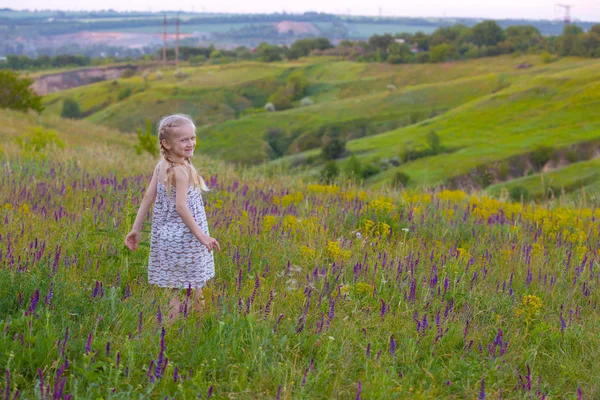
(180,247)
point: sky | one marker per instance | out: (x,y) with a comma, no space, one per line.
(587,10)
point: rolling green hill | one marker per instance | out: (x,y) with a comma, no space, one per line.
(487,113)
(555,110)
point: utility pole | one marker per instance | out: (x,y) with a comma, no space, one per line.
(177,42)
(165,40)
(567,8)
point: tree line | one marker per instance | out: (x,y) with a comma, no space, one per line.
(461,42)
(444,44)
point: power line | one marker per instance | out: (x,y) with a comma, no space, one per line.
(567,8)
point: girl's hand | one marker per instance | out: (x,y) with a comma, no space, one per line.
(210,243)
(132,240)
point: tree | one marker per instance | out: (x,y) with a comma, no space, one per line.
(590,44)
(268,52)
(399,53)
(422,40)
(303,47)
(487,33)
(441,52)
(569,43)
(450,34)
(522,37)
(70,109)
(334,145)
(381,42)
(16,94)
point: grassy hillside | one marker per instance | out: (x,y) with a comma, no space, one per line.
(576,178)
(485,111)
(243,140)
(551,109)
(320,291)
(213,93)
(113,104)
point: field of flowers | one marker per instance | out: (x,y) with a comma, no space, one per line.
(320,292)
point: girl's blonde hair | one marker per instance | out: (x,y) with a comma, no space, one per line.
(167,126)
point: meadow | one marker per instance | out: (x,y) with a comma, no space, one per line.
(321,291)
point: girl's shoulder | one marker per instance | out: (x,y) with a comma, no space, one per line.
(182,169)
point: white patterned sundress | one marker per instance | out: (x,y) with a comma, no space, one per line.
(177,258)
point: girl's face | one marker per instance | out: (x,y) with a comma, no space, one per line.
(182,142)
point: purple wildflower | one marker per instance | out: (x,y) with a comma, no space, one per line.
(88,345)
(159,315)
(482,390)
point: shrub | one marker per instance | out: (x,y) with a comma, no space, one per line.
(573,155)
(70,109)
(306,101)
(519,193)
(146,140)
(353,167)
(434,141)
(395,161)
(16,94)
(333,147)
(197,60)
(483,176)
(541,155)
(503,171)
(330,171)
(278,141)
(400,179)
(546,57)
(124,93)
(37,140)
(282,98)
(180,74)
(128,72)
(370,170)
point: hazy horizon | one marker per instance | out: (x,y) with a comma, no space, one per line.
(584,10)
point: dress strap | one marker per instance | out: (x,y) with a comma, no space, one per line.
(158,173)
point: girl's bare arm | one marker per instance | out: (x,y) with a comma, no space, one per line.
(149,198)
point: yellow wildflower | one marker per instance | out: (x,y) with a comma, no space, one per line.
(269,221)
